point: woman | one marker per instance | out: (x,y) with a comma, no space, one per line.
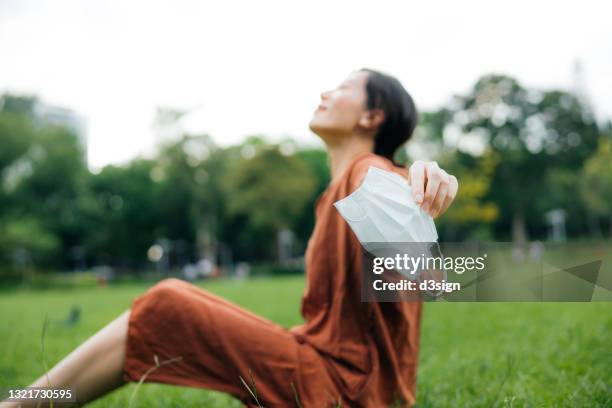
(348,352)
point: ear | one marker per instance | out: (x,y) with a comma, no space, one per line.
(372,119)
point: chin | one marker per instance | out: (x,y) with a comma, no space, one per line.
(325,134)
(324,130)
(314,127)
(319,131)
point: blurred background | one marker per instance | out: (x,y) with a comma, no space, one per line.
(173,137)
(140,140)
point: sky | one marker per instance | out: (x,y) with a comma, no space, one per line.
(259,67)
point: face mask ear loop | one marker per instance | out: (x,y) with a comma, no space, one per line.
(438,250)
(445,274)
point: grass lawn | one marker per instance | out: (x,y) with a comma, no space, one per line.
(472,354)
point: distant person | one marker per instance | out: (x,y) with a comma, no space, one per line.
(349,352)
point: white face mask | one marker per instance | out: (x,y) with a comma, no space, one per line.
(382,214)
(381,209)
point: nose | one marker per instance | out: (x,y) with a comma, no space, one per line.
(324,95)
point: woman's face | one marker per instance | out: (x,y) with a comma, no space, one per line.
(341,108)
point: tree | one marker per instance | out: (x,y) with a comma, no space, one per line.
(43,174)
(472,212)
(317,161)
(266,193)
(534,133)
(120,214)
(596,181)
(189,172)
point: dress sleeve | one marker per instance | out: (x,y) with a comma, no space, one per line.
(360,169)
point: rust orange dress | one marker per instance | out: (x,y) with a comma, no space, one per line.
(346,351)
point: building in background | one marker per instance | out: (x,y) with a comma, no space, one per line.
(57,115)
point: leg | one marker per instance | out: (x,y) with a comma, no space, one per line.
(219,344)
(92,369)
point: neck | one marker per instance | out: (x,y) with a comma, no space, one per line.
(343,151)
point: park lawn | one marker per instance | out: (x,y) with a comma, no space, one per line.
(472,354)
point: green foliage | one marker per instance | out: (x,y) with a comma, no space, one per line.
(317,161)
(28,235)
(539,138)
(270,189)
(16,133)
(268,192)
(472,212)
(43,174)
(596,183)
(118,208)
(22,105)
(56,214)
(517,152)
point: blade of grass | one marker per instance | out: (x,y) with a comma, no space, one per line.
(297,398)
(250,391)
(44,357)
(157,365)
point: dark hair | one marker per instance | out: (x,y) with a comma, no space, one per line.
(387,93)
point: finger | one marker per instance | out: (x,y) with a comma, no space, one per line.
(417,180)
(440,198)
(433,183)
(453,187)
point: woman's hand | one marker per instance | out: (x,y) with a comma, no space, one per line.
(432,188)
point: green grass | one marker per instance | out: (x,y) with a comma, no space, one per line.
(472,354)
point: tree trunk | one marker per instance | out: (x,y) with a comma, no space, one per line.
(519,228)
(594,227)
(206,242)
